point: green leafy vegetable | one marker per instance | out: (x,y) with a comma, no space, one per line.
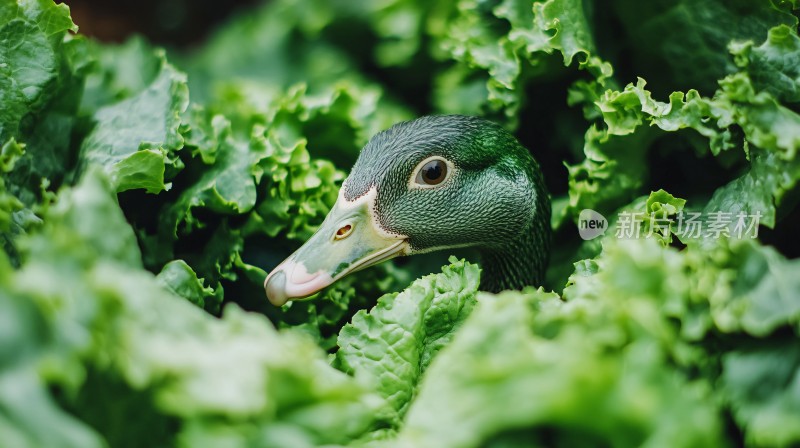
(392,345)
(145,194)
(40,88)
(530,370)
(768,414)
(134,138)
(33,37)
(178,277)
(115,328)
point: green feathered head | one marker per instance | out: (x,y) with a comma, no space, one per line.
(433,183)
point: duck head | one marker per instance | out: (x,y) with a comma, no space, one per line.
(437,182)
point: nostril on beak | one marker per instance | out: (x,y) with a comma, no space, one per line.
(343,232)
(275,287)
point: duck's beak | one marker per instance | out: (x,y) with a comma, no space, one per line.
(350,239)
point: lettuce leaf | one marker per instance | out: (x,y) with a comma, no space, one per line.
(165,199)
(135,138)
(772,66)
(122,345)
(678,45)
(767,414)
(178,277)
(40,88)
(29,415)
(527,369)
(30,60)
(505,39)
(391,346)
(615,155)
(641,324)
(733,302)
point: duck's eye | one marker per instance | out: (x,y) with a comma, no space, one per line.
(432,173)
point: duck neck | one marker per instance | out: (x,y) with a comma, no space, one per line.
(523,261)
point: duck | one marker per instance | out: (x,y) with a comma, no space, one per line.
(438,182)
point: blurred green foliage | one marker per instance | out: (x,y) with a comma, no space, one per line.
(145,193)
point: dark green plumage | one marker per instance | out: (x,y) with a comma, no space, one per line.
(492,198)
(497,201)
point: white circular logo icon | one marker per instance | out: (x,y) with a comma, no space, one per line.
(591,224)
